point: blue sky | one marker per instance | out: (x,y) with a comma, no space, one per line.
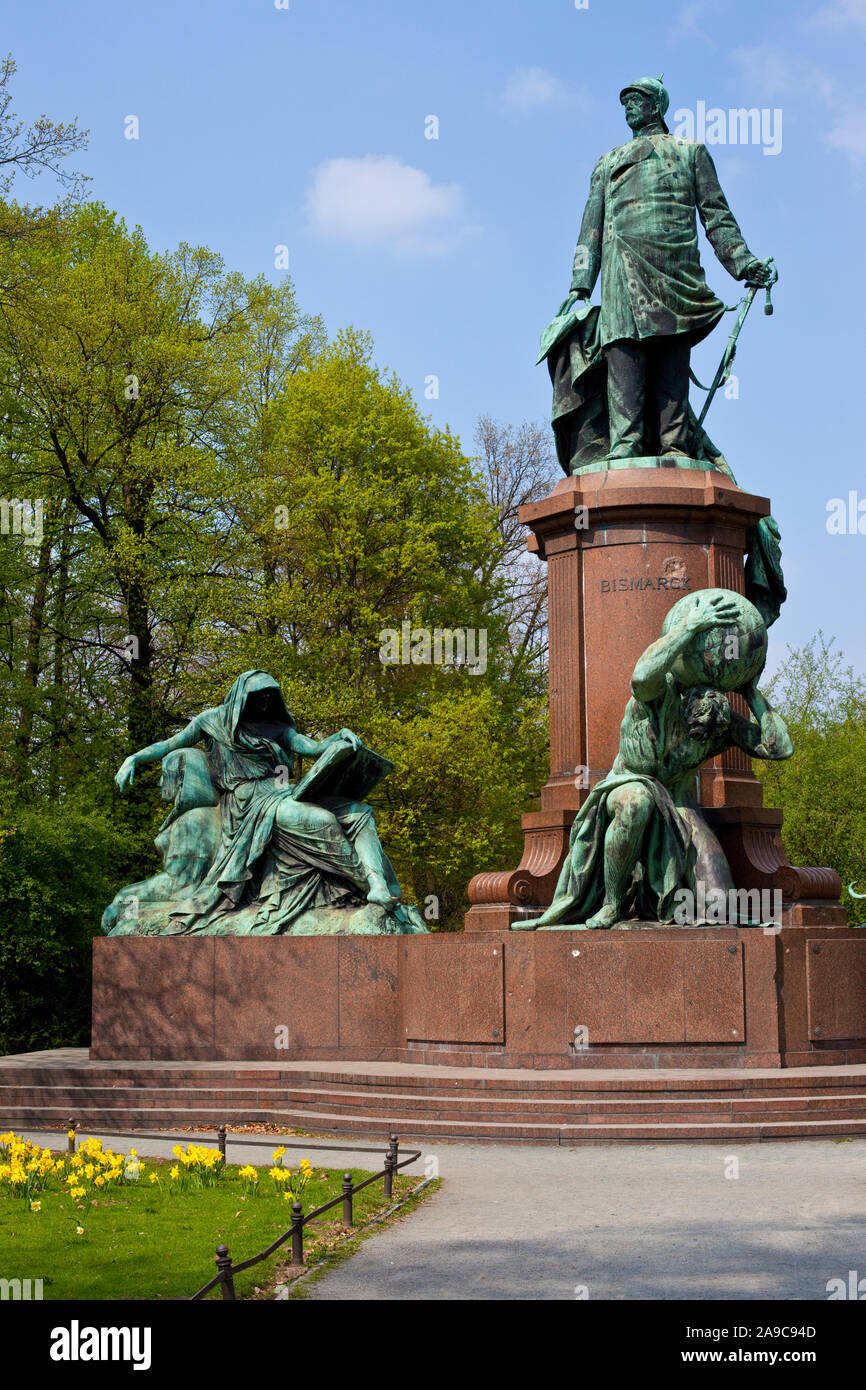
(305,127)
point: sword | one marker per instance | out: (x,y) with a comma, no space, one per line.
(724,368)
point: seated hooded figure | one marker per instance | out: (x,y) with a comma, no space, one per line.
(188,840)
(278,857)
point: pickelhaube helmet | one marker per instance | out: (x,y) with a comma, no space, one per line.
(651,87)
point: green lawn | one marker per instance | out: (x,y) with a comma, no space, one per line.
(147,1241)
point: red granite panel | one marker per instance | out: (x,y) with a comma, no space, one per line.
(761,997)
(791,981)
(152,996)
(655,1004)
(369,1012)
(552,1029)
(276,995)
(713,991)
(452,989)
(595,966)
(521,1003)
(836,975)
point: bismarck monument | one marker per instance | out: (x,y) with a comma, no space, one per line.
(654,920)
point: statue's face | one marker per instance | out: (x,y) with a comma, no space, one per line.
(262,704)
(707,712)
(640,109)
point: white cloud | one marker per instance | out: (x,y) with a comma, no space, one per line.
(527,89)
(772,74)
(688,22)
(375,202)
(843,14)
(849,135)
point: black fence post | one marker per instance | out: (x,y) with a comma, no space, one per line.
(392,1158)
(224,1266)
(297,1229)
(70,1137)
(347,1200)
(221,1140)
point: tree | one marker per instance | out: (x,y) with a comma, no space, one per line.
(822,788)
(112,378)
(518,466)
(32,149)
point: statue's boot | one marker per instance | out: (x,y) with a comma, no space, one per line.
(607,916)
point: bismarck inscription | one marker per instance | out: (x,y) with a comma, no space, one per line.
(618,586)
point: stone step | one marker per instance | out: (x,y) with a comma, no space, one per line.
(83,1099)
(579,1086)
(412,1127)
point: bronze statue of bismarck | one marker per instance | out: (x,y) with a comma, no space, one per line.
(639,230)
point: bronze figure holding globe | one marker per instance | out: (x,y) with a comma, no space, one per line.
(639,838)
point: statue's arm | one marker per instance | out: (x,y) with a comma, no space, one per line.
(769,738)
(303,746)
(648,678)
(587,254)
(309,747)
(650,674)
(155,752)
(720,225)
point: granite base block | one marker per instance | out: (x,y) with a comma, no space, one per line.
(662,996)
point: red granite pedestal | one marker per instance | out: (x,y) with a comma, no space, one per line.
(622,547)
(669,997)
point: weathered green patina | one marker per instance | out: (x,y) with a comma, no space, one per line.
(247,849)
(639,837)
(620,373)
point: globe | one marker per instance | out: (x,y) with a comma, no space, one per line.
(727,656)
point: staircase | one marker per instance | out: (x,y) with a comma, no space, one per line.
(425,1102)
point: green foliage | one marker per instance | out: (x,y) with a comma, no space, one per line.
(58,867)
(822,788)
(226,488)
(453,807)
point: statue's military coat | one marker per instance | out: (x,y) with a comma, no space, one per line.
(639,229)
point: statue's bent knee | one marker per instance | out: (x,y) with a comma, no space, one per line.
(304,815)
(630,803)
